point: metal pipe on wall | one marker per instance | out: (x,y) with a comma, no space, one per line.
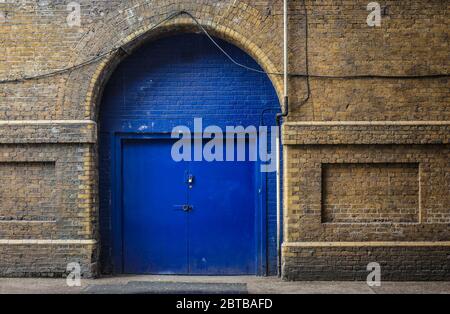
(285,49)
(278,140)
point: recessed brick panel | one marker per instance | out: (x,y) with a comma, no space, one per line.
(370,193)
(27,191)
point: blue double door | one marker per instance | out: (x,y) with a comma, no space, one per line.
(184,218)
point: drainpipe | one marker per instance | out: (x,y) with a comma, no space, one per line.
(285,113)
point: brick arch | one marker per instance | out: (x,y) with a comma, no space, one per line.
(133,26)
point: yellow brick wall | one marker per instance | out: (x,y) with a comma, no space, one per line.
(412,40)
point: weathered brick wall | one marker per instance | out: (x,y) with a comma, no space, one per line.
(412,40)
(368,197)
(370,193)
(48,206)
(28,195)
(47,259)
(305,197)
(350,261)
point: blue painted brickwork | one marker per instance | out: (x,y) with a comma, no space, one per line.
(170,82)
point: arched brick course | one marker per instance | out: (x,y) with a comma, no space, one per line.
(132,25)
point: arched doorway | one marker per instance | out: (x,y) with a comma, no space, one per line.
(159,216)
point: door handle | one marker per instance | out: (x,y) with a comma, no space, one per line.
(185,208)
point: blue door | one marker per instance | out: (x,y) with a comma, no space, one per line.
(188,217)
(154,232)
(164,84)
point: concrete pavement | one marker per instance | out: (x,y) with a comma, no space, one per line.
(253,285)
